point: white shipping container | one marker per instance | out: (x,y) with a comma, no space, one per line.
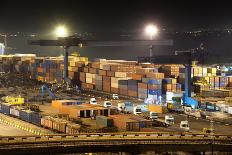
(114,80)
(229,110)
(94,75)
(154,97)
(89,75)
(121,74)
(204,71)
(114,85)
(106,67)
(89,80)
(17,68)
(14,112)
(170,95)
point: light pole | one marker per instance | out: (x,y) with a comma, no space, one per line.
(3,46)
(61,32)
(151,30)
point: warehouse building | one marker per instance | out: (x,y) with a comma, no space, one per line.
(75,110)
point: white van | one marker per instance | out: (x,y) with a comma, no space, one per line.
(107,104)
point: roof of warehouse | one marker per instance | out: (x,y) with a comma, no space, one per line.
(86,107)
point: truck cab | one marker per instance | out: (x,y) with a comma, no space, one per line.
(137,110)
(115,96)
(93,101)
(153,116)
(207,130)
(107,104)
(169,119)
(184,125)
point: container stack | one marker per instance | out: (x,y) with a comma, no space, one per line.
(20,63)
(123,87)
(170,70)
(170,85)
(49,69)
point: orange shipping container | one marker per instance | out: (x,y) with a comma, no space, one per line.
(40,69)
(137,76)
(157,108)
(64,109)
(110,73)
(102,72)
(142,85)
(74,113)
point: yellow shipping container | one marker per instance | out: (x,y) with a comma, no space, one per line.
(14,100)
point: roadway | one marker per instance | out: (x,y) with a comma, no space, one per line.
(8,130)
(196,125)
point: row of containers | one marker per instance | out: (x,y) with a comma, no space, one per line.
(114,76)
(214,82)
(139,82)
(123,122)
(58,125)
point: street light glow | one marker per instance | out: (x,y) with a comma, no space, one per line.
(61,31)
(151,30)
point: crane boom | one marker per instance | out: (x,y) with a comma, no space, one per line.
(95,43)
(67,42)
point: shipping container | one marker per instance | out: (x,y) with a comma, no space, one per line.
(25,115)
(103,121)
(157,108)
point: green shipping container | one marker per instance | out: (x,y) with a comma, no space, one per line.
(103,121)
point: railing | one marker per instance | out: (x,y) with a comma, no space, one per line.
(116,136)
(127,142)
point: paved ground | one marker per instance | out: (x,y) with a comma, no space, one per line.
(7,130)
(196,125)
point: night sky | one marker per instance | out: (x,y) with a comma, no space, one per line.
(97,15)
(112,18)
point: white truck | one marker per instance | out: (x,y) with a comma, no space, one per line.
(93,101)
(169,119)
(107,104)
(115,96)
(184,125)
(150,115)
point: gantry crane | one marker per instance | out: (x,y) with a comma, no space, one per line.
(67,42)
(198,55)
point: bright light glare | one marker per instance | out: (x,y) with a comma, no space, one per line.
(61,31)
(151,30)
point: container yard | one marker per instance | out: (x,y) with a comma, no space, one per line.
(150,88)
